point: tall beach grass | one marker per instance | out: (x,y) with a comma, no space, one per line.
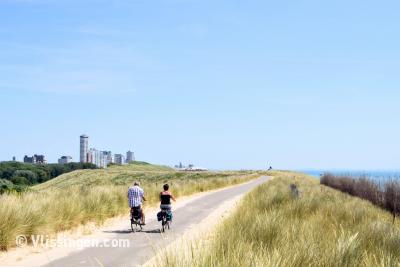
(323,227)
(93,196)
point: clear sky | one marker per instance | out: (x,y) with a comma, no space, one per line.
(222,84)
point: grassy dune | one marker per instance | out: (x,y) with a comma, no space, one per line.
(324,227)
(113,175)
(86,196)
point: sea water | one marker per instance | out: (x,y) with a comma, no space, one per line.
(379,176)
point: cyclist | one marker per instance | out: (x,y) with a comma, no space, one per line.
(165,198)
(136,198)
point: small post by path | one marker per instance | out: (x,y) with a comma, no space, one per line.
(295,191)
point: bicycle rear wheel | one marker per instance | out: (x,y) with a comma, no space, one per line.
(163,223)
(136,225)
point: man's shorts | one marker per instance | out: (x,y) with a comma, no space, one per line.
(136,211)
(136,208)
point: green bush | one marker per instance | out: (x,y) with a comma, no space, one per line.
(29,174)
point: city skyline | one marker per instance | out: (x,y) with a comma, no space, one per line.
(85,151)
(227,85)
(101,158)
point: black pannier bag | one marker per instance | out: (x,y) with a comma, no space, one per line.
(135,213)
(159,216)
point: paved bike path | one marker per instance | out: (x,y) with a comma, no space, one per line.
(144,245)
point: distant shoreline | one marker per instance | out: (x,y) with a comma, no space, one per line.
(390,174)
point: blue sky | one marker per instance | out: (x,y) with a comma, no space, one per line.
(222,84)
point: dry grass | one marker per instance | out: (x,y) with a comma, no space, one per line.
(323,227)
(94,196)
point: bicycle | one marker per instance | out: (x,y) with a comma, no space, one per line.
(166,217)
(136,219)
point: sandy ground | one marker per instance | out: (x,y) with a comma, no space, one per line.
(36,256)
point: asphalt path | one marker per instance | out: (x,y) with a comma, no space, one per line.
(144,245)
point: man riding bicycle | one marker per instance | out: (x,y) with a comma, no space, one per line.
(136,198)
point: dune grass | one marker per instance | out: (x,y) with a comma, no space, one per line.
(93,196)
(112,175)
(323,227)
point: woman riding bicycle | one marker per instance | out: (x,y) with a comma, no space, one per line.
(165,198)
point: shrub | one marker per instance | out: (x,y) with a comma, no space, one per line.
(33,174)
(386,197)
(392,197)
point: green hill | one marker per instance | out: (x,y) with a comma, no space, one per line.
(115,175)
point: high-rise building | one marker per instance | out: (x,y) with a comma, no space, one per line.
(130,156)
(108,157)
(89,157)
(84,148)
(119,159)
(65,160)
(97,157)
